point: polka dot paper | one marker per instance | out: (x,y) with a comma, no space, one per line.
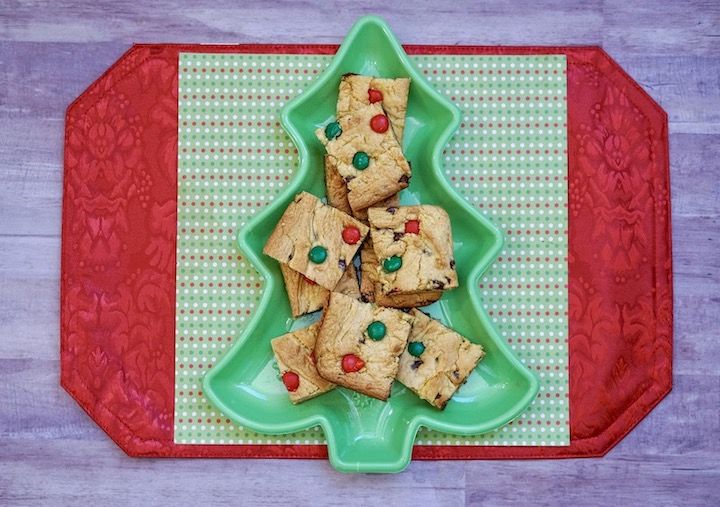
(508,159)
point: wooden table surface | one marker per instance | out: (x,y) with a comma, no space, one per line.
(51,452)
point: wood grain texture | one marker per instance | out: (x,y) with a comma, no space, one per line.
(51,453)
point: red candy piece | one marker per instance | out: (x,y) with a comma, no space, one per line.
(412,227)
(351,235)
(291,380)
(311,282)
(312,357)
(374,95)
(379,123)
(352,363)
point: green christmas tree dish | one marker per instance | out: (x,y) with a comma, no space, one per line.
(363,434)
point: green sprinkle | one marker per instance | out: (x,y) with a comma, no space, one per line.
(392,264)
(416,348)
(376,331)
(361,160)
(317,254)
(333,130)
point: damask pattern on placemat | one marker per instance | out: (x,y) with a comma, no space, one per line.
(117,295)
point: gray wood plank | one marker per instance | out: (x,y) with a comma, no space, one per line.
(95,472)
(32,176)
(661,28)
(684,85)
(648,480)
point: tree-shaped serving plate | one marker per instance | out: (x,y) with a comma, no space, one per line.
(364,434)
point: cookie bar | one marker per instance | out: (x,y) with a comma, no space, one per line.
(316,240)
(370,289)
(363,148)
(357,91)
(294,354)
(437,360)
(358,345)
(306,296)
(415,248)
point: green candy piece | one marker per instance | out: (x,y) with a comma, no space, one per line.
(416,348)
(376,330)
(361,160)
(333,130)
(392,264)
(317,254)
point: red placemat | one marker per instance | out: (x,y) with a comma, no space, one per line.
(118,254)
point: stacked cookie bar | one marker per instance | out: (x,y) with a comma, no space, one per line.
(368,263)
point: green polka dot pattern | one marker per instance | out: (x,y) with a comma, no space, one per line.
(508,159)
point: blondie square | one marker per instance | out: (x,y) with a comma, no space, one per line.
(414,247)
(437,360)
(358,345)
(366,154)
(370,289)
(294,354)
(316,240)
(357,91)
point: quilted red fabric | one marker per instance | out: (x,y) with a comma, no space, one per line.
(118,254)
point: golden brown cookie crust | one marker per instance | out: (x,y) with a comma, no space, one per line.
(335,187)
(304,297)
(307,297)
(349,283)
(368,271)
